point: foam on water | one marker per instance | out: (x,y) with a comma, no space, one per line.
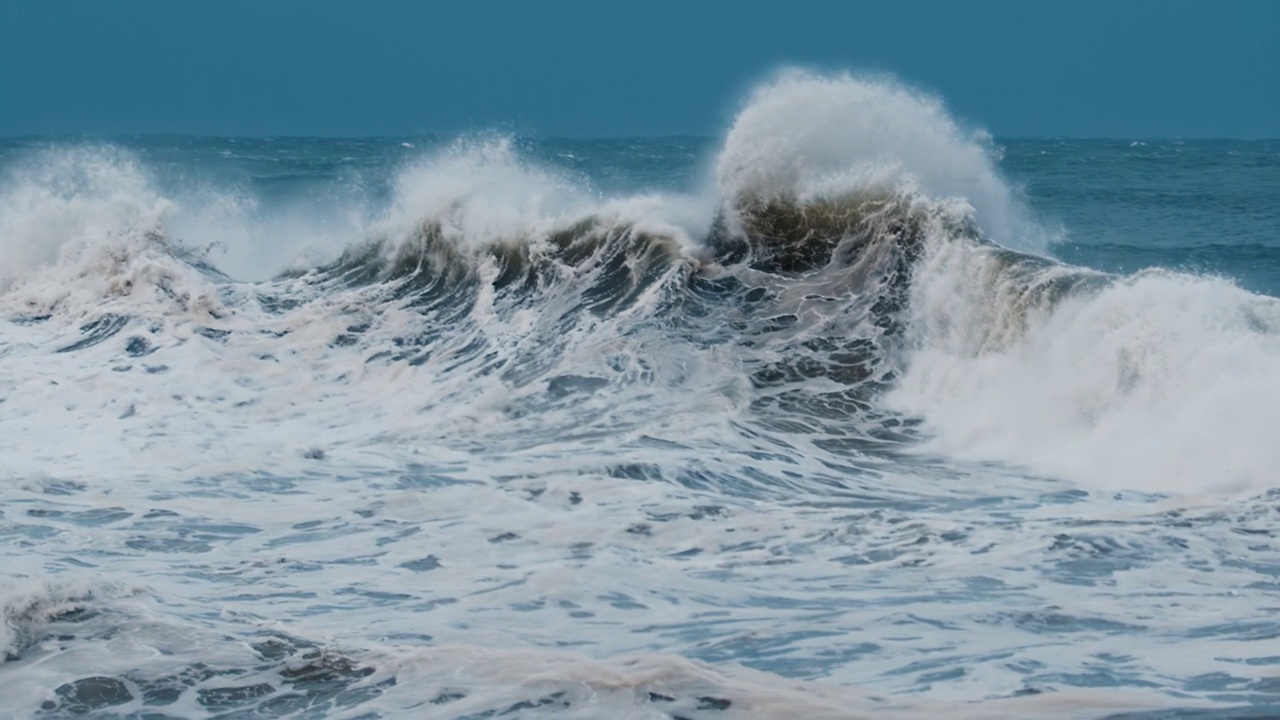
(810,446)
(808,135)
(68,203)
(1161,382)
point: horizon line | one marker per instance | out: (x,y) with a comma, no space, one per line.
(437,135)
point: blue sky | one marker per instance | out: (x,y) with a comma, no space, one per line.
(393,67)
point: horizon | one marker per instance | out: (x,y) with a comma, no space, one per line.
(575,138)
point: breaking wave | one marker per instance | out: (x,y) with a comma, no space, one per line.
(856,244)
(856,295)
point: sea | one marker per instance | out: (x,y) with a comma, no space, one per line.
(850,411)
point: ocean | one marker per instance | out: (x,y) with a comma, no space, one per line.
(851,411)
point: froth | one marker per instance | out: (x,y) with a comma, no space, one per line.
(1160,382)
(480,192)
(26,604)
(71,201)
(806,135)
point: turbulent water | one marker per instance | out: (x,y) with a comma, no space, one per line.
(852,412)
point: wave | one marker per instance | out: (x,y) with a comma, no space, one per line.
(806,136)
(857,265)
(254,667)
(1160,381)
(70,202)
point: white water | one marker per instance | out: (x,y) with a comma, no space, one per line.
(65,203)
(810,136)
(462,528)
(1161,382)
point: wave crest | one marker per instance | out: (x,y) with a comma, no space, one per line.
(805,135)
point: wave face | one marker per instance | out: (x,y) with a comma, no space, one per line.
(803,423)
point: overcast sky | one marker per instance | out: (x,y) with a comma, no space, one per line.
(393,67)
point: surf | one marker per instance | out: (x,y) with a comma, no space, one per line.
(833,363)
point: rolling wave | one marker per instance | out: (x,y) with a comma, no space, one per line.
(846,252)
(815,356)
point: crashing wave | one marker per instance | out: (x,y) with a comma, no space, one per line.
(859,241)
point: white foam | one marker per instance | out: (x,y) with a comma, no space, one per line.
(1161,382)
(654,686)
(69,202)
(482,193)
(252,242)
(28,602)
(648,518)
(804,134)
